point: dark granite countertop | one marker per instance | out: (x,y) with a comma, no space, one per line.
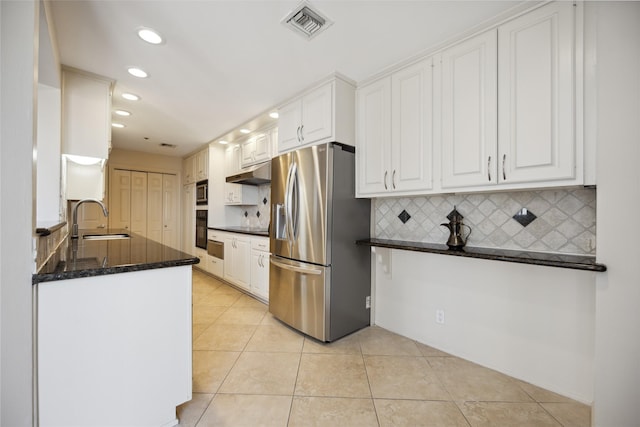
(86,258)
(48,227)
(576,262)
(264,232)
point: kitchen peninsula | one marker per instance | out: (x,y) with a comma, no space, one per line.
(113,331)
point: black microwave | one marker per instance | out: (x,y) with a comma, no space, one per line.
(202,192)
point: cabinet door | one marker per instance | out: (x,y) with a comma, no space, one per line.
(229,253)
(411,127)
(189,166)
(242,262)
(289,122)
(469,112)
(170,199)
(374,137)
(317,115)
(262,150)
(202,164)
(232,160)
(189,219)
(247,152)
(139,202)
(120,199)
(536,133)
(154,207)
(260,273)
(86,115)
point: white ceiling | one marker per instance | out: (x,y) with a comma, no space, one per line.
(225,62)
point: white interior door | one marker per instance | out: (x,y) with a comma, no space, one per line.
(120,199)
(154,206)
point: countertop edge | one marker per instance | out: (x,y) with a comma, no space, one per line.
(239,231)
(46,230)
(52,277)
(422,247)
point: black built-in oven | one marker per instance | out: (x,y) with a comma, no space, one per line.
(202,192)
(201,229)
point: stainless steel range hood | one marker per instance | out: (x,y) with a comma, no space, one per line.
(255,175)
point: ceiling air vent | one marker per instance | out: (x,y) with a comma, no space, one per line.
(306,21)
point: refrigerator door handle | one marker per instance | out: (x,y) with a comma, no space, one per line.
(295,198)
(287,205)
(297,269)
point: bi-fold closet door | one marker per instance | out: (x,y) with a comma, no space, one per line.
(145,203)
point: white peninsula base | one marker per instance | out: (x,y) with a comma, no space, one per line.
(115,349)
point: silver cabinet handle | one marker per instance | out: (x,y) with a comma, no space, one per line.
(489,168)
(504,160)
(385,180)
(301,133)
(393,179)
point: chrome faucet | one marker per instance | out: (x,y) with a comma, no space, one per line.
(74,227)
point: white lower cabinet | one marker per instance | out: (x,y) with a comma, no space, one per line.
(260,267)
(237,258)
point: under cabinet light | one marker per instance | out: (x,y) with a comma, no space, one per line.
(117,125)
(130,97)
(274,115)
(245,131)
(123,113)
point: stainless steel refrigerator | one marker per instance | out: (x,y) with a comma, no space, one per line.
(319,279)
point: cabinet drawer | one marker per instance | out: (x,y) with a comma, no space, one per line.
(260,244)
(216,266)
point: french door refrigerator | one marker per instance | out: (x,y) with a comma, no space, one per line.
(319,279)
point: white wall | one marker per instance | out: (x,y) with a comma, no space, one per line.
(18,65)
(617,345)
(531,322)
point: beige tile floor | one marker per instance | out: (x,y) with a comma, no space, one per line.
(251,370)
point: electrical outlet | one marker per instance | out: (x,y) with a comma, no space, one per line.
(440,317)
(367,302)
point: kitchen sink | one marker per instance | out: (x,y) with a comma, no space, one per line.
(114,236)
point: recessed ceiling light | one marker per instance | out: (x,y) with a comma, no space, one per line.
(137,72)
(223,142)
(245,131)
(150,35)
(117,125)
(274,115)
(123,113)
(130,96)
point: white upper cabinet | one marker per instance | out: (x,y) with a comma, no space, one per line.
(497,111)
(189,169)
(86,114)
(256,149)
(232,160)
(202,164)
(412,128)
(395,114)
(373,153)
(469,112)
(536,96)
(323,114)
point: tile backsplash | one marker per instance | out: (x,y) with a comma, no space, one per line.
(260,215)
(557,220)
